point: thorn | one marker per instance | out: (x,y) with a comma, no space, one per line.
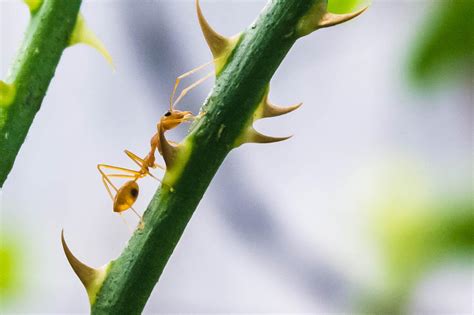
(167,150)
(331,19)
(85,273)
(270,110)
(83,34)
(256,137)
(253,136)
(7,94)
(217,43)
(33,5)
(266,109)
(319,17)
(220,46)
(91,278)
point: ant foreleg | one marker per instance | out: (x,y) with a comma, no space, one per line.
(184,75)
(190,87)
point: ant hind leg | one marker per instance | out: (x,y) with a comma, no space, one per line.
(126,223)
(106,183)
(141,225)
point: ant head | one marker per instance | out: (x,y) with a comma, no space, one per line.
(126,196)
(173,118)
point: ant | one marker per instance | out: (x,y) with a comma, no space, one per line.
(127,194)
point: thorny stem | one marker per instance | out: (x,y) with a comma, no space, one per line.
(237,92)
(46,38)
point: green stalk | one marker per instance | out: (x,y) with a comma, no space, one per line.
(236,94)
(245,65)
(48,34)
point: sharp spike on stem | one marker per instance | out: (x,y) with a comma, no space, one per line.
(257,137)
(271,110)
(253,136)
(221,46)
(266,109)
(331,19)
(85,273)
(217,43)
(319,17)
(83,34)
(91,278)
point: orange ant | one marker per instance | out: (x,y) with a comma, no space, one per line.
(127,194)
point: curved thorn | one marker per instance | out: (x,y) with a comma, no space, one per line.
(217,43)
(257,137)
(83,34)
(331,19)
(91,278)
(270,110)
(266,109)
(253,136)
(86,274)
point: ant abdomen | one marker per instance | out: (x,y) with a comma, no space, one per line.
(126,196)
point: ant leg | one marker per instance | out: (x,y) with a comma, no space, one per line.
(126,223)
(141,224)
(184,75)
(106,180)
(190,87)
(107,166)
(135,158)
(121,176)
(111,167)
(139,160)
(154,177)
(106,184)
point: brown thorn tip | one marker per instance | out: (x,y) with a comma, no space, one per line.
(86,274)
(217,43)
(331,19)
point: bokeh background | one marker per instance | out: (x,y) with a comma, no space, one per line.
(367,208)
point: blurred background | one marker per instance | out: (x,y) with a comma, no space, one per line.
(368,208)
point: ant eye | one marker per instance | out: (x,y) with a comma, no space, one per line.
(168,114)
(134,192)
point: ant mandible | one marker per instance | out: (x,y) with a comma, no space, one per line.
(127,194)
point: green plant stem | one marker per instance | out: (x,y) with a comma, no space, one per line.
(235,97)
(46,38)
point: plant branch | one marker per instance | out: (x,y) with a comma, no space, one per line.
(48,34)
(245,65)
